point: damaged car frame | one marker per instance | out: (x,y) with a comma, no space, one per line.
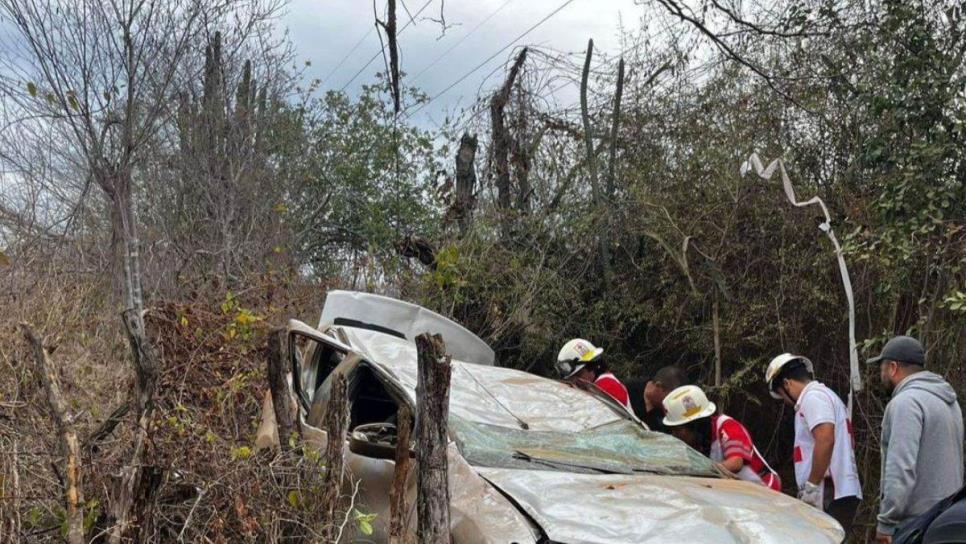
(531,460)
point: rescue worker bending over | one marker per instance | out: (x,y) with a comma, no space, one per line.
(580,361)
(825,468)
(692,419)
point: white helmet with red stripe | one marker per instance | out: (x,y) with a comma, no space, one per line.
(777,364)
(575,355)
(686,404)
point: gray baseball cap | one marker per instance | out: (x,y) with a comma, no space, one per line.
(904,349)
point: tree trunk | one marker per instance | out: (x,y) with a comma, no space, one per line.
(432,411)
(465,201)
(398,509)
(520,156)
(73,488)
(278,368)
(135,489)
(500,135)
(393,55)
(336,425)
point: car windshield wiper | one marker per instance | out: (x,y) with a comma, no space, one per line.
(603,468)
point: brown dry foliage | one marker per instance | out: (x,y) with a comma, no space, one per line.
(212,352)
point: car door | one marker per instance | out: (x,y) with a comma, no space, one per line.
(373,400)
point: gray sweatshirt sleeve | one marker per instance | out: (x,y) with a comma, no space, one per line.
(899,466)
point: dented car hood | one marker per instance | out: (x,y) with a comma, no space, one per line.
(614,509)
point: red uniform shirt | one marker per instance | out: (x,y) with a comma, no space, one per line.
(732,439)
(609,384)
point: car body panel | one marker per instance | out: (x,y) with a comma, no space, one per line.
(407,319)
(646,508)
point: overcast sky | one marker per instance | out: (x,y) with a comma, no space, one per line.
(324,32)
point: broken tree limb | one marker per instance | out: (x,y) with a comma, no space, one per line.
(398,509)
(135,488)
(500,134)
(107,427)
(336,424)
(73,488)
(393,54)
(278,386)
(432,411)
(520,154)
(465,200)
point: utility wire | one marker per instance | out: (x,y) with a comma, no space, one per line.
(491,57)
(349,54)
(461,40)
(381,50)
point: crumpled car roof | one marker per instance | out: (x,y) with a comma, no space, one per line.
(487,394)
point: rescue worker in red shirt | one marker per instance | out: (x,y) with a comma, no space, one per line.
(579,361)
(693,419)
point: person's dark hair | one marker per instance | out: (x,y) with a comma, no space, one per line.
(795,370)
(702,430)
(670,378)
(598,365)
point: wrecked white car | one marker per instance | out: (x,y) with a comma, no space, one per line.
(531,460)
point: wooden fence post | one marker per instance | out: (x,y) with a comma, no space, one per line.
(278,358)
(336,425)
(398,509)
(432,410)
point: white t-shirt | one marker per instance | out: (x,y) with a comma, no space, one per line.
(816,405)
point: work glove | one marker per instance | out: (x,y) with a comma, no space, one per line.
(810,494)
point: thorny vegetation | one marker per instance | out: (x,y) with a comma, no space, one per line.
(206,172)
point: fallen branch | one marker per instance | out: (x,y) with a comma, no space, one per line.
(107,427)
(73,489)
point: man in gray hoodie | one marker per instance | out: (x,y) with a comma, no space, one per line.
(922,437)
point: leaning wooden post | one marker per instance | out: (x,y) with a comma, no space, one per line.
(73,490)
(398,509)
(336,424)
(278,385)
(432,411)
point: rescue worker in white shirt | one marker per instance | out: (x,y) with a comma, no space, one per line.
(825,468)
(692,419)
(580,361)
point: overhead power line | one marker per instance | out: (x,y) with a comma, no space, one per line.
(349,54)
(461,40)
(382,49)
(491,57)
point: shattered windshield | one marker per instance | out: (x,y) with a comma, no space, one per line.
(620,447)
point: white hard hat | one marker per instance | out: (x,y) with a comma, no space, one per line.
(776,365)
(575,355)
(686,404)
